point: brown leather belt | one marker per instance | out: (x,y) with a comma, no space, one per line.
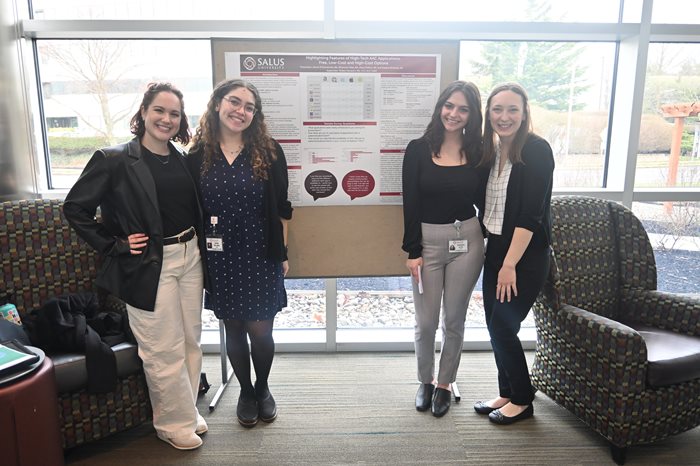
(181,238)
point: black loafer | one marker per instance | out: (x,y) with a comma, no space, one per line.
(247,411)
(497,417)
(267,408)
(441,402)
(482,408)
(424,396)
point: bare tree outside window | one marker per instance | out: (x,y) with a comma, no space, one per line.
(91,88)
(97,67)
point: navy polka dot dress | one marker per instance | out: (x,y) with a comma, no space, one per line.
(245,284)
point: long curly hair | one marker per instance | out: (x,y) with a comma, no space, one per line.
(521,135)
(471,135)
(138,125)
(255,137)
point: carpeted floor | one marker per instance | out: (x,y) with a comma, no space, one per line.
(357,408)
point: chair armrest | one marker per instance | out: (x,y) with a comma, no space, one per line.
(670,311)
(598,350)
(603,336)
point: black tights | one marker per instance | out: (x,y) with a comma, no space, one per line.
(262,350)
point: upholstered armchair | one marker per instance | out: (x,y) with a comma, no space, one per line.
(42,257)
(621,356)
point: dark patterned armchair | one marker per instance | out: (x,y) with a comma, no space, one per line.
(621,356)
(42,257)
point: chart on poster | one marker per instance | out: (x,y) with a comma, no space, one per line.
(343,120)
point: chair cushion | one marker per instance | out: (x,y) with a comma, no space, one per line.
(673,358)
(71,370)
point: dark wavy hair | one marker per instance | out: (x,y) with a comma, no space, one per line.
(525,129)
(471,134)
(138,126)
(255,136)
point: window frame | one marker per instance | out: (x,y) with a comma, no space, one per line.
(631,38)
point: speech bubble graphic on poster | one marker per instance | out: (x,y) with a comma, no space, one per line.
(320,183)
(358,183)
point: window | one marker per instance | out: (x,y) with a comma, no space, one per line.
(375,302)
(455,10)
(676,12)
(179,9)
(193,120)
(569,86)
(569,76)
(306,305)
(100,83)
(61,123)
(669,139)
(674,232)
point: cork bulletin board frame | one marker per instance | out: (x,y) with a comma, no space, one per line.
(344,241)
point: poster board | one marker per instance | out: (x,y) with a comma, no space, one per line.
(344,240)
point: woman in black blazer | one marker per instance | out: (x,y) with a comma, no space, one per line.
(150,239)
(516,214)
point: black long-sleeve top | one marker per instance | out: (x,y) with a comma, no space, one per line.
(435,194)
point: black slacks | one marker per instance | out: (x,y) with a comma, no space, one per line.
(503,320)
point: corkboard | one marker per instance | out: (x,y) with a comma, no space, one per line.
(344,241)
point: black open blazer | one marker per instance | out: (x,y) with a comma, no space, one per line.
(118,181)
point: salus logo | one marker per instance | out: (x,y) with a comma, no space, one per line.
(249,63)
(263,63)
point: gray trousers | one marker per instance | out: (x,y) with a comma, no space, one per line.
(448,277)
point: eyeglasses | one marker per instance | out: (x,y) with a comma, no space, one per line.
(237,103)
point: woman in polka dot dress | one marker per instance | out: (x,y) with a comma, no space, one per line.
(242,175)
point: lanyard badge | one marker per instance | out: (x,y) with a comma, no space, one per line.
(215,243)
(458,245)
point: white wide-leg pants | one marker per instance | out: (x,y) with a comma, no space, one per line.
(169,340)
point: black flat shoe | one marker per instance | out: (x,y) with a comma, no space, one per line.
(482,408)
(497,417)
(441,402)
(267,408)
(247,411)
(424,396)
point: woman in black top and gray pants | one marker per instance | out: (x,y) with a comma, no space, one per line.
(442,235)
(517,216)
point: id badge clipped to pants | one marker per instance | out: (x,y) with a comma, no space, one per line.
(458,245)
(215,243)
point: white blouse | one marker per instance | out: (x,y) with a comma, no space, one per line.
(496,190)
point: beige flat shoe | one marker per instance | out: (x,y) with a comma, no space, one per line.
(183,442)
(202,426)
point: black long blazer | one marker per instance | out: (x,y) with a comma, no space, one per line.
(119,182)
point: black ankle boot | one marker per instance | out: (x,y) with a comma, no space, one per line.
(247,409)
(267,408)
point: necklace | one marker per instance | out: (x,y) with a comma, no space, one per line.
(163,159)
(233,152)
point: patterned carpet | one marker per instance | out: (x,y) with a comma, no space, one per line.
(357,408)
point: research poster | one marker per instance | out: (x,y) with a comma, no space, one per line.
(343,120)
